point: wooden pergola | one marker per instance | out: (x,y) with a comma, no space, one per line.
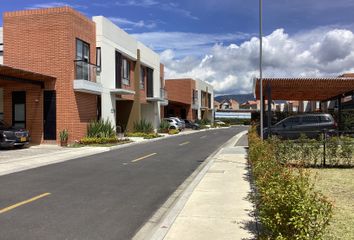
(305,89)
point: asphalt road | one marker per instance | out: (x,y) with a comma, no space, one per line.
(105,196)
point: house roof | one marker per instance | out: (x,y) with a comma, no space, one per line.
(302,89)
(8,73)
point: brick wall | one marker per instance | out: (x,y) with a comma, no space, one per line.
(180,90)
(44,41)
(34,107)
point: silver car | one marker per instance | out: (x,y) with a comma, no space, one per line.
(180,122)
(173,123)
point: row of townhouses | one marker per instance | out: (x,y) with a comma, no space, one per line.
(60,70)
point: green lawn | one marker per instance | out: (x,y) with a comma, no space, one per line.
(338,186)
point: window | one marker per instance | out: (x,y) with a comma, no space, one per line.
(195,96)
(291,121)
(325,119)
(82,60)
(82,51)
(98,57)
(309,119)
(125,71)
(142,77)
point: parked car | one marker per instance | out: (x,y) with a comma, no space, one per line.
(12,136)
(179,121)
(218,122)
(191,124)
(311,125)
(173,123)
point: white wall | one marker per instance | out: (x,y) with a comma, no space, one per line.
(204,86)
(110,38)
(151,59)
(151,113)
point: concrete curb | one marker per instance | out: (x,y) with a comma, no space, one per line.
(160,223)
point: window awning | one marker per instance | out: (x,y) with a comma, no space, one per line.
(304,89)
(8,73)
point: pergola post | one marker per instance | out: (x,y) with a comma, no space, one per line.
(263,110)
(340,127)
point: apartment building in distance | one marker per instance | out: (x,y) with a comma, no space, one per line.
(189,99)
(61,70)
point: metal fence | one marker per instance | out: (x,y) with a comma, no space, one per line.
(329,149)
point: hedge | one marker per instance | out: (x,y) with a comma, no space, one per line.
(288,205)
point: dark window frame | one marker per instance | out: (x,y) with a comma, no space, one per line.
(142,77)
(125,71)
(98,57)
(84,44)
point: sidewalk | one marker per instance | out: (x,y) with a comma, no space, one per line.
(217,208)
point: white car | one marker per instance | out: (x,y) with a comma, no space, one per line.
(173,123)
(218,122)
(180,122)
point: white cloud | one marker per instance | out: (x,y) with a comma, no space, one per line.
(127,24)
(230,68)
(165,6)
(184,43)
(141,3)
(56,4)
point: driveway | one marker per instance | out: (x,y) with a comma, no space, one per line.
(13,153)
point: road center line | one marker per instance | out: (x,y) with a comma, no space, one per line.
(9,208)
(141,158)
(184,143)
(203,136)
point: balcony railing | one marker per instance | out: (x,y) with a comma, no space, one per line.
(86,71)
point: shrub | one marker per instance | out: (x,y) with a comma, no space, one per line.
(98,140)
(203,121)
(143,135)
(143,126)
(164,126)
(100,129)
(173,131)
(288,205)
(64,135)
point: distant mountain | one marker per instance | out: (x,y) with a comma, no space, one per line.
(240,98)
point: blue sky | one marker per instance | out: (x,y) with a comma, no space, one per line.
(191,33)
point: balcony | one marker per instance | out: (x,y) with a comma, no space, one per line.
(87,78)
(162,98)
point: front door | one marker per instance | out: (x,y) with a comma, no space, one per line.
(49,115)
(19,109)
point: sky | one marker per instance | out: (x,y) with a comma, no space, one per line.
(217,40)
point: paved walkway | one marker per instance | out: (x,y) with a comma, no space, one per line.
(217,208)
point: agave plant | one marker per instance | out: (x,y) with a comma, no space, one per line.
(100,129)
(164,126)
(143,126)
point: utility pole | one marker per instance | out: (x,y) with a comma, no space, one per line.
(260,68)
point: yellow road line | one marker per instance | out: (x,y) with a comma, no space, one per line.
(141,158)
(181,144)
(23,203)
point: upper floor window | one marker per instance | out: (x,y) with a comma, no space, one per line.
(98,57)
(82,51)
(142,77)
(125,71)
